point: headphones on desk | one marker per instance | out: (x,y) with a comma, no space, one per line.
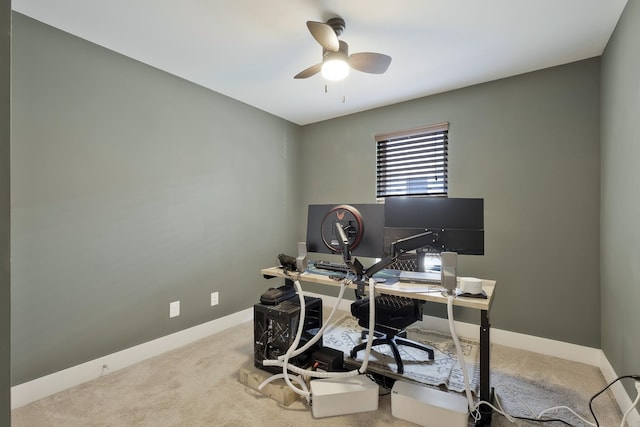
(287,262)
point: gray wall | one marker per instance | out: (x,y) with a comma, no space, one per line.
(132,188)
(528,145)
(5,283)
(620,234)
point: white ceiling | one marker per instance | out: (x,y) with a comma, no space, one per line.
(251,49)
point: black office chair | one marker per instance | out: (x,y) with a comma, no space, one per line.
(393,315)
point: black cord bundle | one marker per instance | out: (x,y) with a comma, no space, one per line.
(635,377)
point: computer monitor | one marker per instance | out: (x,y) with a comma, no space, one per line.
(457,224)
(363,225)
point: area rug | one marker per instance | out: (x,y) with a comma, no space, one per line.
(525,397)
(443,371)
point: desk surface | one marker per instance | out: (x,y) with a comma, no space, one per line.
(397,288)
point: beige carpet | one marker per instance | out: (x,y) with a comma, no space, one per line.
(197,385)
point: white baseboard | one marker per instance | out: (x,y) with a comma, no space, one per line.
(39,388)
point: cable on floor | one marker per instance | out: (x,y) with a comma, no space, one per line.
(636,378)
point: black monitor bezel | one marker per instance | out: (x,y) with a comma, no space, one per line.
(457,224)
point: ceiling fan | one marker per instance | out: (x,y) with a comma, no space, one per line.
(336,60)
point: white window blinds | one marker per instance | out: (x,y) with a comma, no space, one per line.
(413,162)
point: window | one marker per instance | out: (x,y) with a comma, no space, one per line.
(413,162)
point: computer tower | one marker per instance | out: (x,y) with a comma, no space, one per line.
(275,327)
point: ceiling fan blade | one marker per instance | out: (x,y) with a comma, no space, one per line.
(314,69)
(324,34)
(369,62)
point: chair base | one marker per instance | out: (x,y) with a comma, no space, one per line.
(392,341)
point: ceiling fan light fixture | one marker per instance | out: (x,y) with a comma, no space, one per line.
(335,69)
(336,61)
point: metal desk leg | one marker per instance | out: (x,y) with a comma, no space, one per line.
(485,364)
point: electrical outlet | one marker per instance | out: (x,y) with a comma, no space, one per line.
(214,298)
(174,309)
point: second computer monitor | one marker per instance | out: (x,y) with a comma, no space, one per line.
(457,224)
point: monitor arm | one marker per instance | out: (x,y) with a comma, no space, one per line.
(343,243)
(398,248)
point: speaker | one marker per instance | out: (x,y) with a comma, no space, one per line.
(301,260)
(448,273)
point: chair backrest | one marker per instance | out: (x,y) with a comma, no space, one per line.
(393,313)
(406,262)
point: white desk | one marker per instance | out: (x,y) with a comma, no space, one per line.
(482,304)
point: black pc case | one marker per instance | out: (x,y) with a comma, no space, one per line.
(275,327)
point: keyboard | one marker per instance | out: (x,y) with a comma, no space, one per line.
(331,266)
